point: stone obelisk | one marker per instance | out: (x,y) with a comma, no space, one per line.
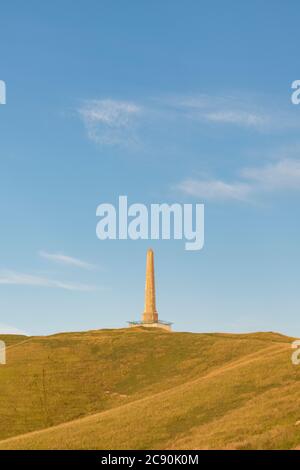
(150,314)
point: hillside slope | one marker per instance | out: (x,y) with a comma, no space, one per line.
(150,389)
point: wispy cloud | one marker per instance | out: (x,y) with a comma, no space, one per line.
(242,110)
(11,330)
(110,122)
(238,117)
(67,260)
(217,190)
(283,175)
(16,278)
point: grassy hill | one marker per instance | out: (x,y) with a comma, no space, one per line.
(143,389)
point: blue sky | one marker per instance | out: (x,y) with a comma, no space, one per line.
(164,102)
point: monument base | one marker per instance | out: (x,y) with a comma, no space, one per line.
(154,324)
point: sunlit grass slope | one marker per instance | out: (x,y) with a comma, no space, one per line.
(143,389)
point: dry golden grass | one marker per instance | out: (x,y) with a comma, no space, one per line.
(144,389)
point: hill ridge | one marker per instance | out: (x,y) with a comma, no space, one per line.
(266,352)
(90,390)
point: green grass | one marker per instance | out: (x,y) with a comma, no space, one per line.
(143,389)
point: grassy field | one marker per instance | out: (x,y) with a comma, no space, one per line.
(144,389)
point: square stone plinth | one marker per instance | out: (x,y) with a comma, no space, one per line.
(164,325)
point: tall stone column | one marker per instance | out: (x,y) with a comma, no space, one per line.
(150,314)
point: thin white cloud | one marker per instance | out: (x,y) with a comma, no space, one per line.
(284,174)
(252,112)
(215,189)
(238,117)
(279,176)
(67,260)
(8,277)
(110,122)
(11,330)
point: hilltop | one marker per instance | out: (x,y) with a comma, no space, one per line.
(141,389)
